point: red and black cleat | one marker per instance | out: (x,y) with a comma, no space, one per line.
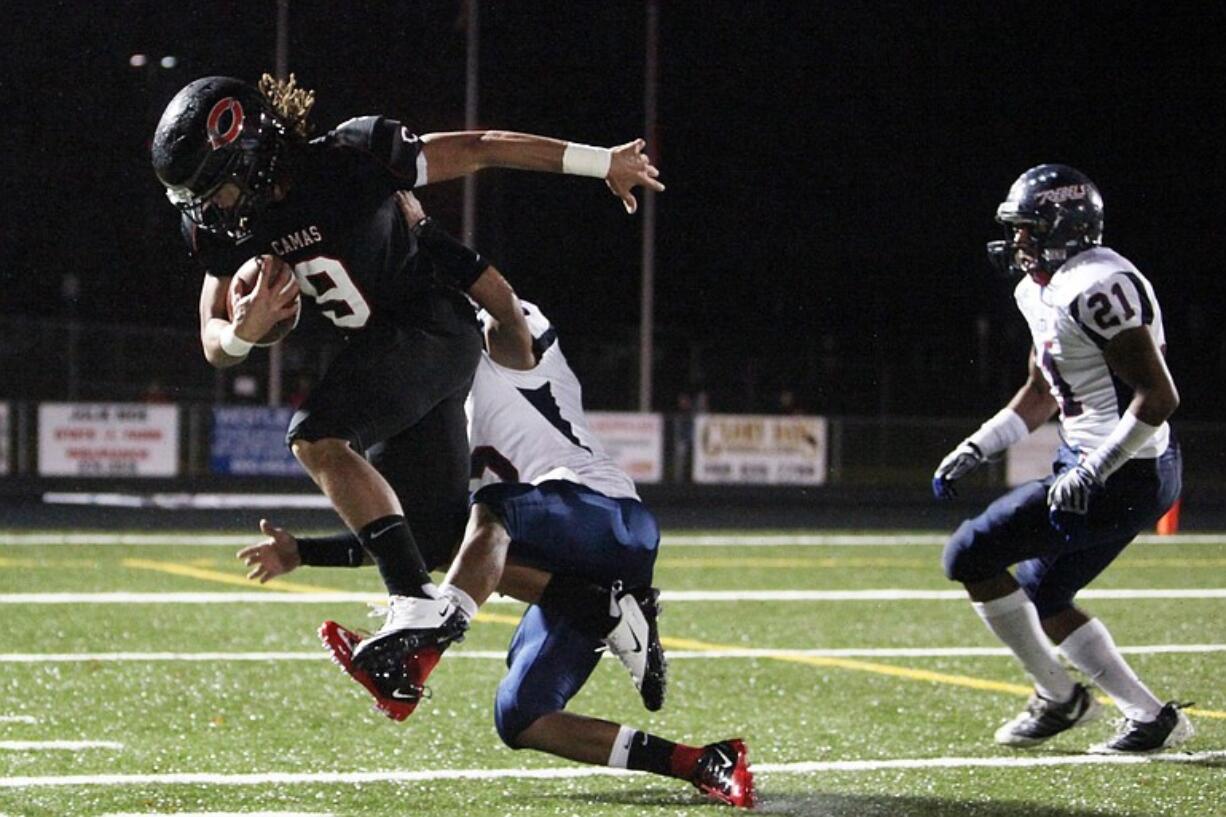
(396,690)
(723,773)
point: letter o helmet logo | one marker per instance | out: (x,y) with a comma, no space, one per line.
(225,122)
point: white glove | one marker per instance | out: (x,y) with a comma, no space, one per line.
(957,464)
(1072,490)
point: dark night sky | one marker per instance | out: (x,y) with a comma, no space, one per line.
(832,169)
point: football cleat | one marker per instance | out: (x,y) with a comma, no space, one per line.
(395,669)
(723,773)
(1169,729)
(410,624)
(635,640)
(1045,719)
(340,642)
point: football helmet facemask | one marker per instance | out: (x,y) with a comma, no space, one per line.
(1062,213)
(219,130)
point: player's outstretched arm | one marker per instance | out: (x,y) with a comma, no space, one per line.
(459,153)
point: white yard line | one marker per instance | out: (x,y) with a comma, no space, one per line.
(18,719)
(673,596)
(497,655)
(669,539)
(572,772)
(52,745)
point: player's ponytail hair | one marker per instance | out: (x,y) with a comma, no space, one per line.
(291,103)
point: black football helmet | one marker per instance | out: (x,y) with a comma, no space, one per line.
(1064,213)
(218,130)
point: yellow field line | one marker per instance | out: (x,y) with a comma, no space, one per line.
(852,664)
(274,585)
(218,576)
(893,670)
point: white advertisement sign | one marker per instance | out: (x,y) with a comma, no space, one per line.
(4,439)
(108,440)
(1032,457)
(634,441)
(759,449)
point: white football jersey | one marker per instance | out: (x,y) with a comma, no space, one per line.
(529,425)
(1091,299)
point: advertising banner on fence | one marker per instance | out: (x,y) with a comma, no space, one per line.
(1031,458)
(634,441)
(250,441)
(763,449)
(4,439)
(108,440)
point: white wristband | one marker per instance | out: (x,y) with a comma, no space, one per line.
(585,160)
(1125,440)
(1001,431)
(233,345)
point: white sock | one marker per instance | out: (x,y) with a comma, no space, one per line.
(462,600)
(1015,621)
(1091,649)
(620,756)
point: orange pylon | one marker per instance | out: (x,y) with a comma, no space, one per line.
(1169,523)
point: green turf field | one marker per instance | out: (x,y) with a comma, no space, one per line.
(880,703)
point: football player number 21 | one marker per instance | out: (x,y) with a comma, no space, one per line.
(326,281)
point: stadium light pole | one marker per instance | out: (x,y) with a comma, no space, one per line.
(276,355)
(648,294)
(473,31)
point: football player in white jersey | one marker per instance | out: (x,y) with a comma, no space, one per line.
(563,529)
(1097,360)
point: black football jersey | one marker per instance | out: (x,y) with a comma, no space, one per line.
(339,226)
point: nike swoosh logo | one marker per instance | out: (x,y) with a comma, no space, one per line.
(402,696)
(638,645)
(726,761)
(379,533)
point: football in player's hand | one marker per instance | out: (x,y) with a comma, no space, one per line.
(278,276)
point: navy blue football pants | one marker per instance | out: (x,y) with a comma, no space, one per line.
(563,528)
(1016,530)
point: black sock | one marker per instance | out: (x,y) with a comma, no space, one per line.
(649,753)
(334,550)
(584,603)
(390,543)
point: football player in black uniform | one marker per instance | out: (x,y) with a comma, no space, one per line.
(236,160)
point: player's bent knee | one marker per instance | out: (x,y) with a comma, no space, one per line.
(320,455)
(487,524)
(514,712)
(963,560)
(511,721)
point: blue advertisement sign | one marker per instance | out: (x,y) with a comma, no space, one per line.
(250,441)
